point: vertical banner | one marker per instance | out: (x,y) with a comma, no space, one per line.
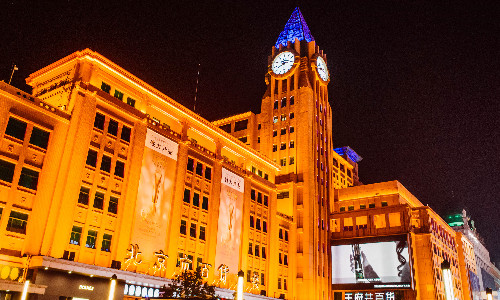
(154,196)
(230,221)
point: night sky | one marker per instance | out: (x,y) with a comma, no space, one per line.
(414,90)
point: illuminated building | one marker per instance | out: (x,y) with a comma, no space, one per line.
(487,274)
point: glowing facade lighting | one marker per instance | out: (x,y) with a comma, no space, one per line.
(489,294)
(239,290)
(448,280)
(24,295)
(112,288)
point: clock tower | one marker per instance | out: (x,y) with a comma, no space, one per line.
(296,132)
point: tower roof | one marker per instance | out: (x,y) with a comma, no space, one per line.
(296,27)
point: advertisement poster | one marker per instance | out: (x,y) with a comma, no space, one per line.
(230,221)
(154,195)
(378,263)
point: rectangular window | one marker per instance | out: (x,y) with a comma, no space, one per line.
(196,199)
(371,205)
(292,144)
(259,198)
(259,126)
(6,170)
(131,101)
(99,121)
(275,148)
(83,197)
(285,260)
(292,129)
(258,140)
(254,169)
(98,200)
(284,284)
(286,235)
(106,242)
(342,208)
(264,226)
(105,87)
(76,235)
(252,225)
(266,200)
(257,224)
(252,194)
(259,172)
(202,233)
(91,158)
(275,119)
(183,228)
(190,165)
(362,206)
(199,169)
(283,117)
(280,233)
(119,169)
(292,160)
(204,203)
(280,259)
(29,179)
(283,146)
(226,128)
(249,275)
(292,115)
(283,162)
(106,163)
(292,100)
(250,248)
(283,102)
(257,251)
(384,203)
(16,128)
(262,281)
(243,139)
(192,230)
(276,104)
(39,138)
(113,127)
(264,252)
(350,207)
(17,222)
(279,280)
(118,95)
(91,239)
(283,131)
(113,205)
(275,133)
(240,125)
(187,196)
(208,173)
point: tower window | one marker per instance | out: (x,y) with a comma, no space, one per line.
(283,162)
(276,104)
(283,117)
(131,101)
(105,87)
(91,158)
(126,133)
(98,200)
(292,160)
(275,133)
(283,131)
(292,129)
(106,163)
(275,119)
(113,127)
(292,115)
(283,102)
(292,100)
(292,144)
(283,146)
(118,95)
(275,148)
(259,126)
(83,197)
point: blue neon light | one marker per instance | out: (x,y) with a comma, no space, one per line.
(296,27)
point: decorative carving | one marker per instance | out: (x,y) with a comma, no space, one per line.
(10,148)
(95,138)
(34,157)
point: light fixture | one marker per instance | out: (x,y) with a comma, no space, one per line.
(24,295)
(69,272)
(447,279)
(239,291)
(46,268)
(489,294)
(91,275)
(112,287)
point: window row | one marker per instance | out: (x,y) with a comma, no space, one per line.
(291,145)
(259,172)
(17,129)
(283,118)
(283,259)
(17,221)
(283,234)
(105,166)
(84,196)
(28,178)
(113,126)
(257,250)
(251,274)
(259,197)
(283,131)
(256,224)
(283,102)
(291,161)
(194,199)
(193,230)
(284,286)
(363,206)
(199,168)
(119,95)
(91,240)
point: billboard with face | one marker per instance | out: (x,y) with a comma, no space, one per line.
(373,263)
(230,218)
(154,195)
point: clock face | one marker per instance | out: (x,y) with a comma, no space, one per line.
(283,62)
(322,69)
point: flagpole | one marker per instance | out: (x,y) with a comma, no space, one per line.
(12,74)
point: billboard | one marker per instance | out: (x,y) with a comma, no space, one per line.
(371,264)
(230,221)
(154,195)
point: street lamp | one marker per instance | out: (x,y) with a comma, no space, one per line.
(489,294)
(24,295)
(112,287)
(447,279)
(239,290)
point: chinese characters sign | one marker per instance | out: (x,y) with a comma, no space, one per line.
(392,295)
(230,217)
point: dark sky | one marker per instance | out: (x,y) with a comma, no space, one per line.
(415,84)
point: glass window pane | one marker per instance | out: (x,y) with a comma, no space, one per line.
(125,135)
(39,138)
(16,128)
(6,170)
(113,127)
(29,179)
(106,163)
(99,121)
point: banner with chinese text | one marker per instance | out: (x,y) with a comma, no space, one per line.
(154,195)
(230,221)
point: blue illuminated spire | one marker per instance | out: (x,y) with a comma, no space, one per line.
(296,27)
